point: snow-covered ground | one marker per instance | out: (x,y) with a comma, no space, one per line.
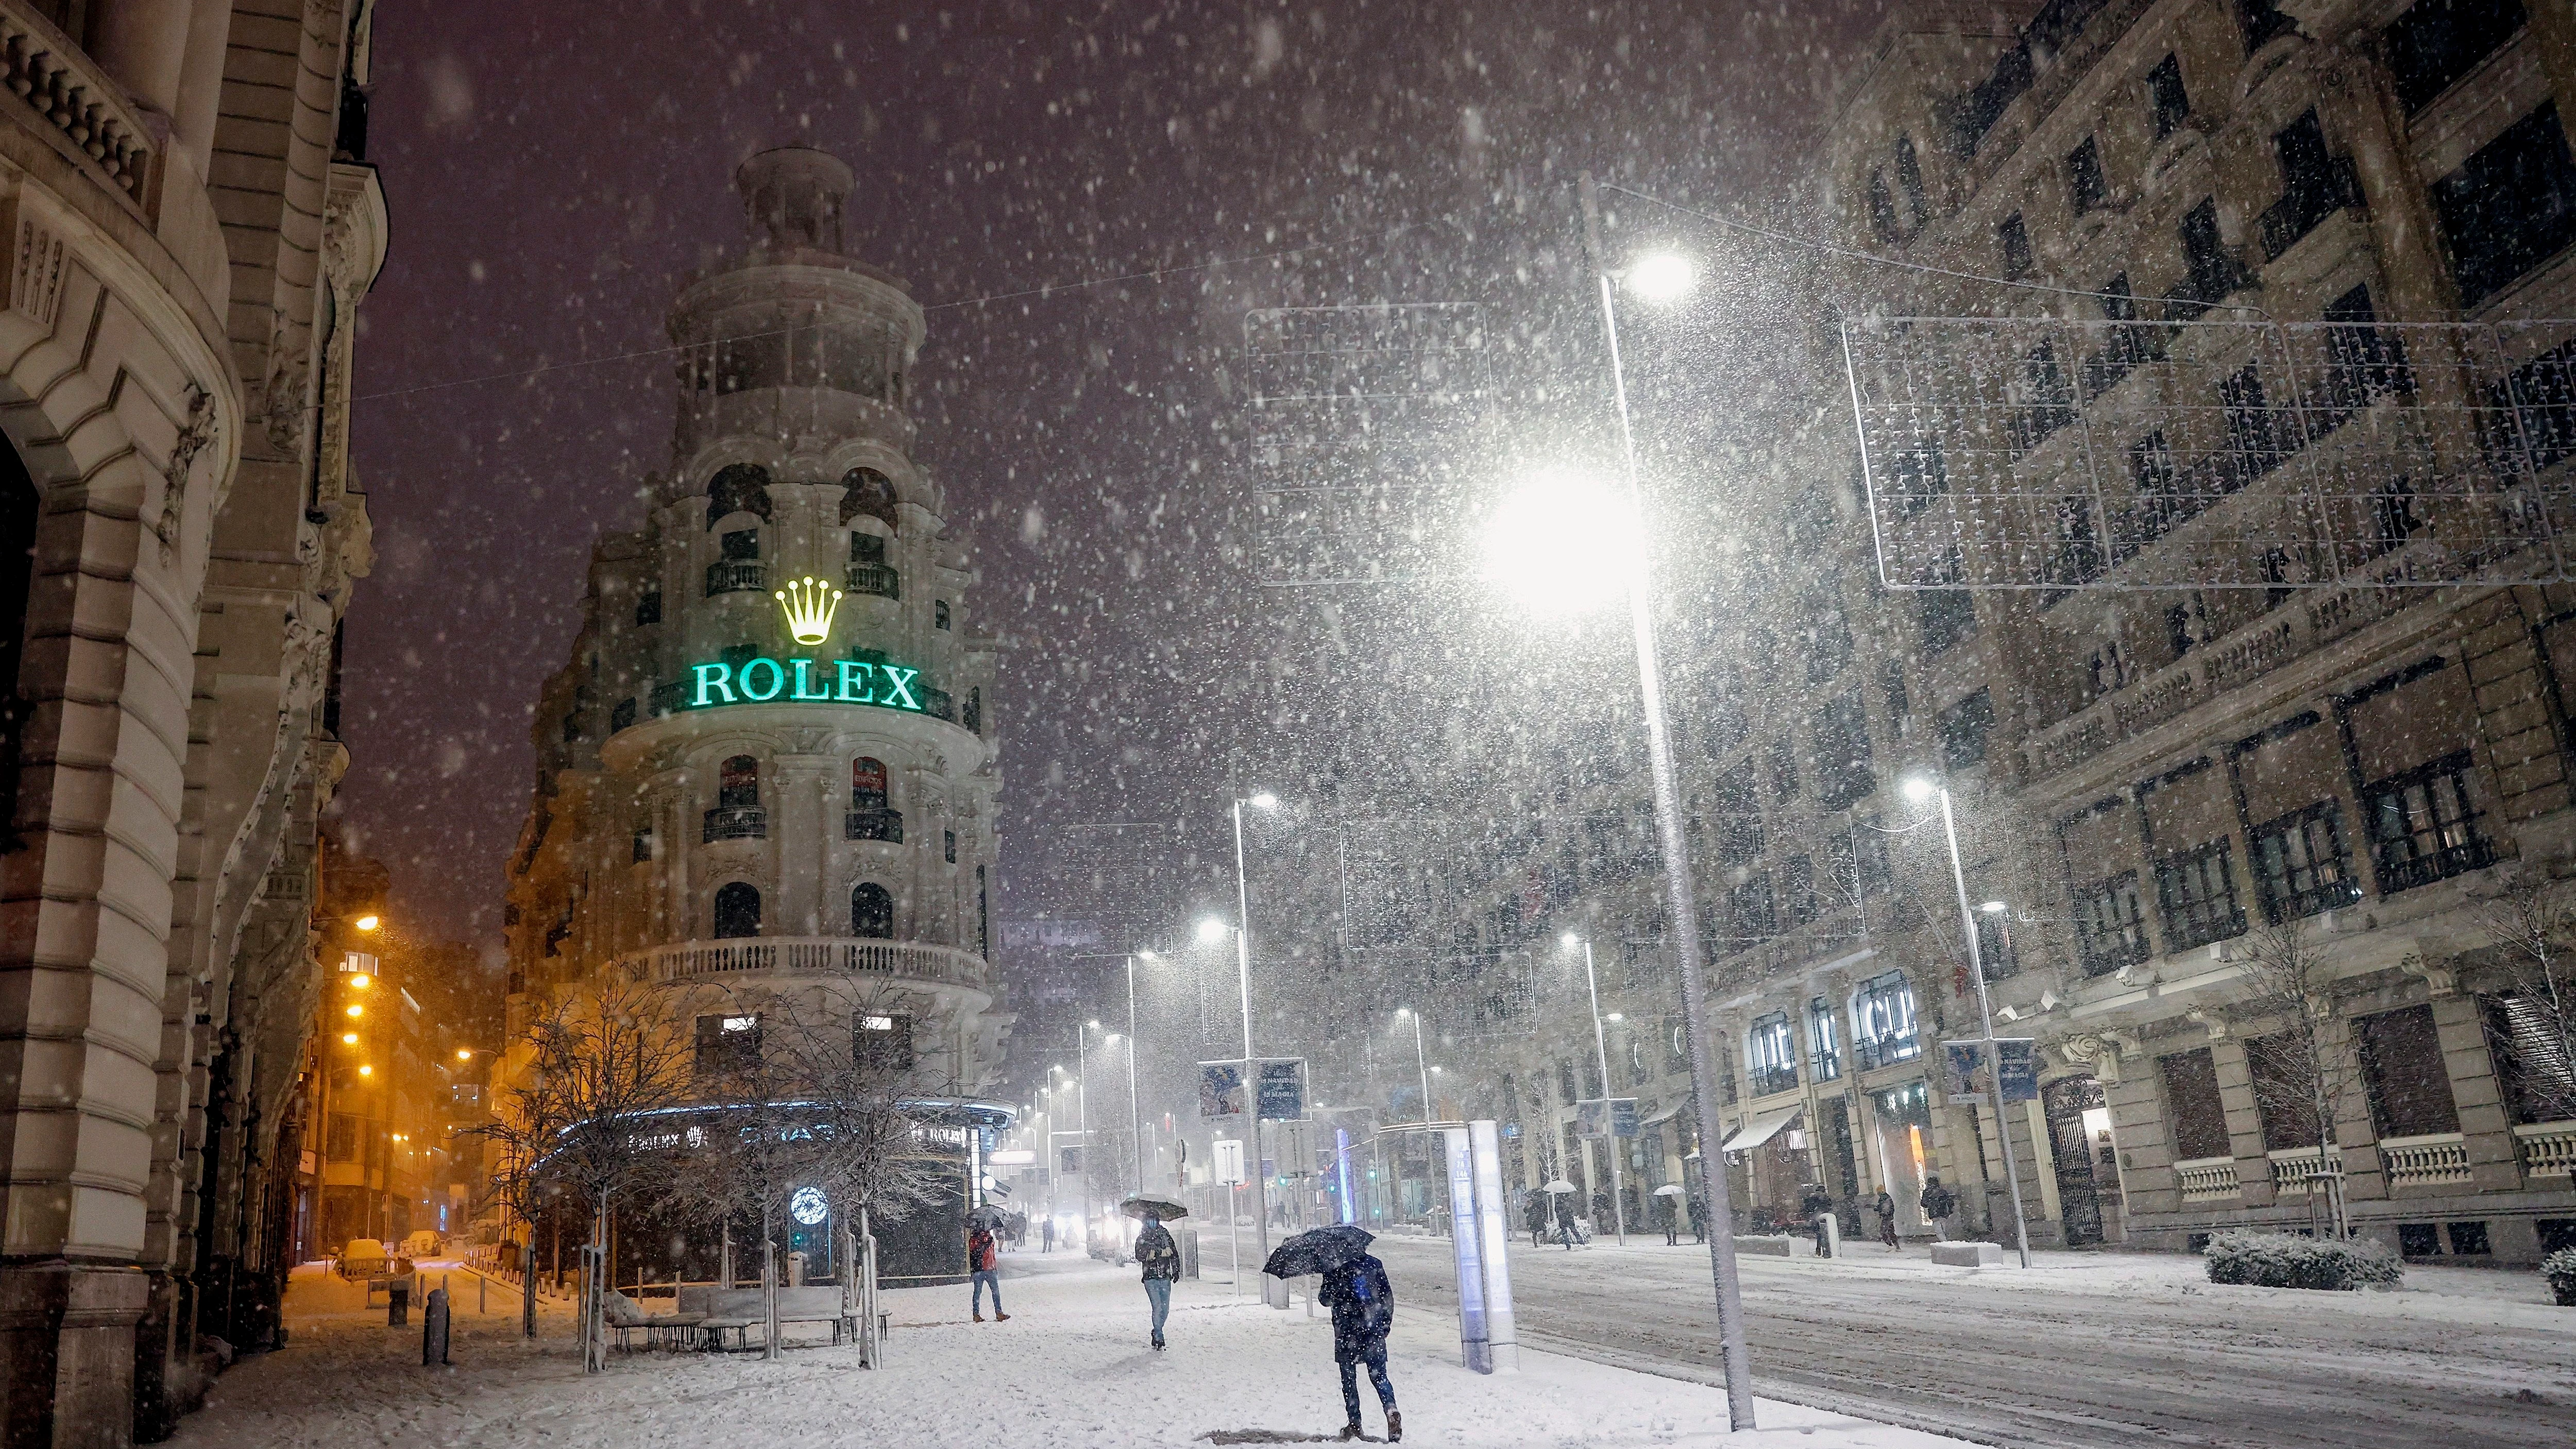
(1070,1369)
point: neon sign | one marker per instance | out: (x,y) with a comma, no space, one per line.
(805,681)
(809,614)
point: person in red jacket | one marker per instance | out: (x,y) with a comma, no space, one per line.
(984,1257)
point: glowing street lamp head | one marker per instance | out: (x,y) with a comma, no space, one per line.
(1662,277)
(1562,544)
(1920,789)
(1570,940)
(1994,908)
(368,922)
(1212,929)
(359,980)
(1263,801)
(809,605)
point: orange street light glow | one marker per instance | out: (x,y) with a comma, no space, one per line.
(349,1038)
(356,1010)
(359,980)
(366,1071)
(368,922)
(463,1055)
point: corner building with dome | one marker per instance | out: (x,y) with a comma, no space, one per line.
(769,765)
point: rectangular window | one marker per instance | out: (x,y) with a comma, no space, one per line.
(1750,913)
(2301,865)
(1963,728)
(1824,1040)
(2014,238)
(2085,186)
(2285,1090)
(882,1041)
(2314,185)
(1948,616)
(2208,272)
(950,837)
(2110,926)
(1829,638)
(1784,768)
(2510,207)
(2259,436)
(2196,896)
(2529,1043)
(728,1044)
(1995,949)
(2409,1084)
(2043,400)
(2436,42)
(340,1143)
(2262,22)
(1798,889)
(2424,825)
(2166,98)
(648,608)
(2364,362)
(1891,687)
(1771,1055)
(1883,1022)
(643,847)
(2192,1103)
(1917,473)
(1842,756)
(1869,857)
(741,544)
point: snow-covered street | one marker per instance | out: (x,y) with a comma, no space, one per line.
(1069,1369)
(2085,1349)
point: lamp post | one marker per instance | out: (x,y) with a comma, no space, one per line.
(1920,790)
(1666,277)
(1251,1065)
(1082,1119)
(1601,1048)
(1135,1112)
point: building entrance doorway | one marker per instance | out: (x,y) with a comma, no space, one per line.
(2071,1144)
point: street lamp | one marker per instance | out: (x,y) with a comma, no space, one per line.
(1601,1046)
(1616,528)
(1082,1116)
(1418,1058)
(1135,1107)
(1921,790)
(1251,1065)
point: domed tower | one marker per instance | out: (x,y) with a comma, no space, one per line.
(769,763)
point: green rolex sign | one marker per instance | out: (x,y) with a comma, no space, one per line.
(804,681)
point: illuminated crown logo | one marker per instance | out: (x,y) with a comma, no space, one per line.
(809,604)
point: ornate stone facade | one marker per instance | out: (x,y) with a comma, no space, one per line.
(194,536)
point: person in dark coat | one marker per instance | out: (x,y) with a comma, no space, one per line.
(1564,1218)
(1161,1259)
(1535,1214)
(1363,1305)
(1699,1220)
(1668,1207)
(1885,1207)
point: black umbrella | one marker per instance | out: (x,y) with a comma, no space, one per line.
(1317,1250)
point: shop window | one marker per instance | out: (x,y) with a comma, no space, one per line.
(1771,1054)
(737,911)
(2192,1104)
(2409,1083)
(1883,1022)
(2425,825)
(871,912)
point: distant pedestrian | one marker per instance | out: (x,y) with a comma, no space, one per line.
(1564,1218)
(1885,1207)
(1938,1204)
(1668,1208)
(1363,1305)
(1698,1220)
(1535,1214)
(984,1260)
(1160,1257)
(1046,1235)
(1600,1212)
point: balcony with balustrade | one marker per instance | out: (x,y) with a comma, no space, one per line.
(891,963)
(2207,1179)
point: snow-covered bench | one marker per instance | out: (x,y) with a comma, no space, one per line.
(624,1316)
(820,1303)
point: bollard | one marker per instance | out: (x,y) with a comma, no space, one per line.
(433,1329)
(1829,1236)
(482,1294)
(398,1303)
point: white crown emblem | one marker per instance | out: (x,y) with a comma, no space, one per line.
(809,604)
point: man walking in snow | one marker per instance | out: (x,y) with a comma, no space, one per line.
(1363,1305)
(984,1260)
(1161,1259)
(1046,1235)
(1536,1210)
(1885,1207)
(1938,1203)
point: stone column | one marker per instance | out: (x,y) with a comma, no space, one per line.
(201,81)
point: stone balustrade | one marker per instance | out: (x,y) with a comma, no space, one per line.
(2207,1179)
(2428,1161)
(55,79)
(2296,1171)
(2548,1148)
(812,955)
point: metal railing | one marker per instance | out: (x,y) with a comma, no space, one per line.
(735,576)
(735,822)
(884,825)
(875,578)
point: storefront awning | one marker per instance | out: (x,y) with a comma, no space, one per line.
(1763,1128)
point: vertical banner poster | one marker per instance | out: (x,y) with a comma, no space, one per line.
(1220,1089)
(1283,1089)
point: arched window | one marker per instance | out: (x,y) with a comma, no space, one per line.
(865,490)
(867,783)
(737,911)
(871,912)
(738,784)
(741,488)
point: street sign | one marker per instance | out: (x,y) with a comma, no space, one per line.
(1606,1117)
(1229,1161)
(1964,1070)
(1069,1160)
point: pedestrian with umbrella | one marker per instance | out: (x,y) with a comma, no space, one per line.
(1563,1193)
(1668,1206)
(1156,1253)
(1356,1289)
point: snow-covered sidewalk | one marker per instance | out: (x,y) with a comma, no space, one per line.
(1071,1368)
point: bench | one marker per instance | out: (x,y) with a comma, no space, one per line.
(625,1317)
(820,1303)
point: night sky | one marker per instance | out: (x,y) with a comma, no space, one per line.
(554,172)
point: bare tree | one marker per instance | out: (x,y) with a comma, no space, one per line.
(606,1061)
(523,1124)
(2532,925)
(2299,1078)
(752,1142)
